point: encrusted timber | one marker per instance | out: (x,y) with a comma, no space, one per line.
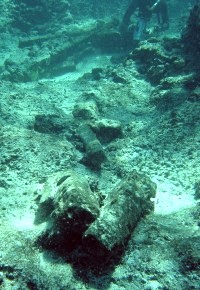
(126,204)
(67,200)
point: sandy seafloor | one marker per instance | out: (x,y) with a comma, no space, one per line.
(29,156)
(159,252)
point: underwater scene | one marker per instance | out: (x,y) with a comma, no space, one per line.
(100,145)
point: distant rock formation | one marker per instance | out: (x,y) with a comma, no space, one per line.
(191,37)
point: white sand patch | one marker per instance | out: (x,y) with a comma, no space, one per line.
(85,66)
(24,222)
(171,198)
(95,61)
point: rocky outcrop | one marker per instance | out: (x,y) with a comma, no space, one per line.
(158,59)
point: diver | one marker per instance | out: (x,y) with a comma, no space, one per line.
(144,10)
